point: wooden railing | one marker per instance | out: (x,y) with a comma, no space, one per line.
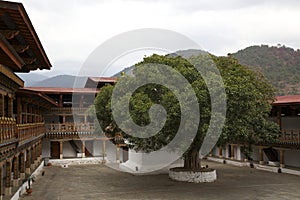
(290,136)
(31,130)
(70,130)
(68,109)
(70,127)
(7,129)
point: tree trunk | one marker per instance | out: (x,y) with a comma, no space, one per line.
(192,160)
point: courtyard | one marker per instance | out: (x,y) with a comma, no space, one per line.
(102,182)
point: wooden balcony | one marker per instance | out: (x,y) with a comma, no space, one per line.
(29,131)
(68,110)
(70,130)
(7,130)
(70,127)
(290,136)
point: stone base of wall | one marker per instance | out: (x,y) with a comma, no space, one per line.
(76,161)
(25,185)
(193,177)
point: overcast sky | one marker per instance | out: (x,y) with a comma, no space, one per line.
(71,29)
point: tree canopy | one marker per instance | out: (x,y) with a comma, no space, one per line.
(249,96)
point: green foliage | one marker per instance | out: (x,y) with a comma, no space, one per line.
(249,98)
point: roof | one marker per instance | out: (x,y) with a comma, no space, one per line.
(57,90)
(20,47)
(98,82)
(290,99)
(37,94)
(103,79)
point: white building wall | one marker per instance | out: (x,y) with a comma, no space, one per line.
(46,152)
(237,153)
(255,155)
(97,148)
(292,158)
(68,151)
(226,151)
(215,152)
(111,152)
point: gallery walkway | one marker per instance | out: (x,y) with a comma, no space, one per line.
(102,182)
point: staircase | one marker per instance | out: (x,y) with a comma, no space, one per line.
(271,154)
(74,146)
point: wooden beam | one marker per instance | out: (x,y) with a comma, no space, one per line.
(21,48)
(9,34)
(11,52)
(29,61)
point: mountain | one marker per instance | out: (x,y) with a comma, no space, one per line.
(280,64)
(188,53)
(66,81)
(184,53)
(128,71)
(31,79)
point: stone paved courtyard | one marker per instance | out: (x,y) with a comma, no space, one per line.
(102,182)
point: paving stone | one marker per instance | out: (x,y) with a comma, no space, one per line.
(101,182)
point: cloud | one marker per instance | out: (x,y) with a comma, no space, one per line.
(71,29)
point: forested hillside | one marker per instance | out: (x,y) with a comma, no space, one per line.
(280,64)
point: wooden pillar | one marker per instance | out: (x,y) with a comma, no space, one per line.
(232,152)
(279,118)
(1,180)
(83,149)
(16,171)
(28,162)
(61,150)
(40,152)
(22,166)
(60,101)
(261,156)
(8,182)
(36,155)
(10,106)
(81,101)
(118,153)
(220,152)
(33,154)
(19,111)
(85,117)
(30,114)
(2,113)
(103,150)
(33,115)
(26,113)
(281,158)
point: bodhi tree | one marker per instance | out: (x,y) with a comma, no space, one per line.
(248,95)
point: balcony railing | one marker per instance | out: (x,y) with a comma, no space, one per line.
(290,136)
(68,110)
(7,129)
(70,130)
(70,127)
(31,130)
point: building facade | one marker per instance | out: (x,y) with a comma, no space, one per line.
(54,123)
(21,112)
(285,152)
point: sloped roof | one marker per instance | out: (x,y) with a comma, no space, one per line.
(57,90)
(37,95)
(20,47)
(103,79)
(290,99)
